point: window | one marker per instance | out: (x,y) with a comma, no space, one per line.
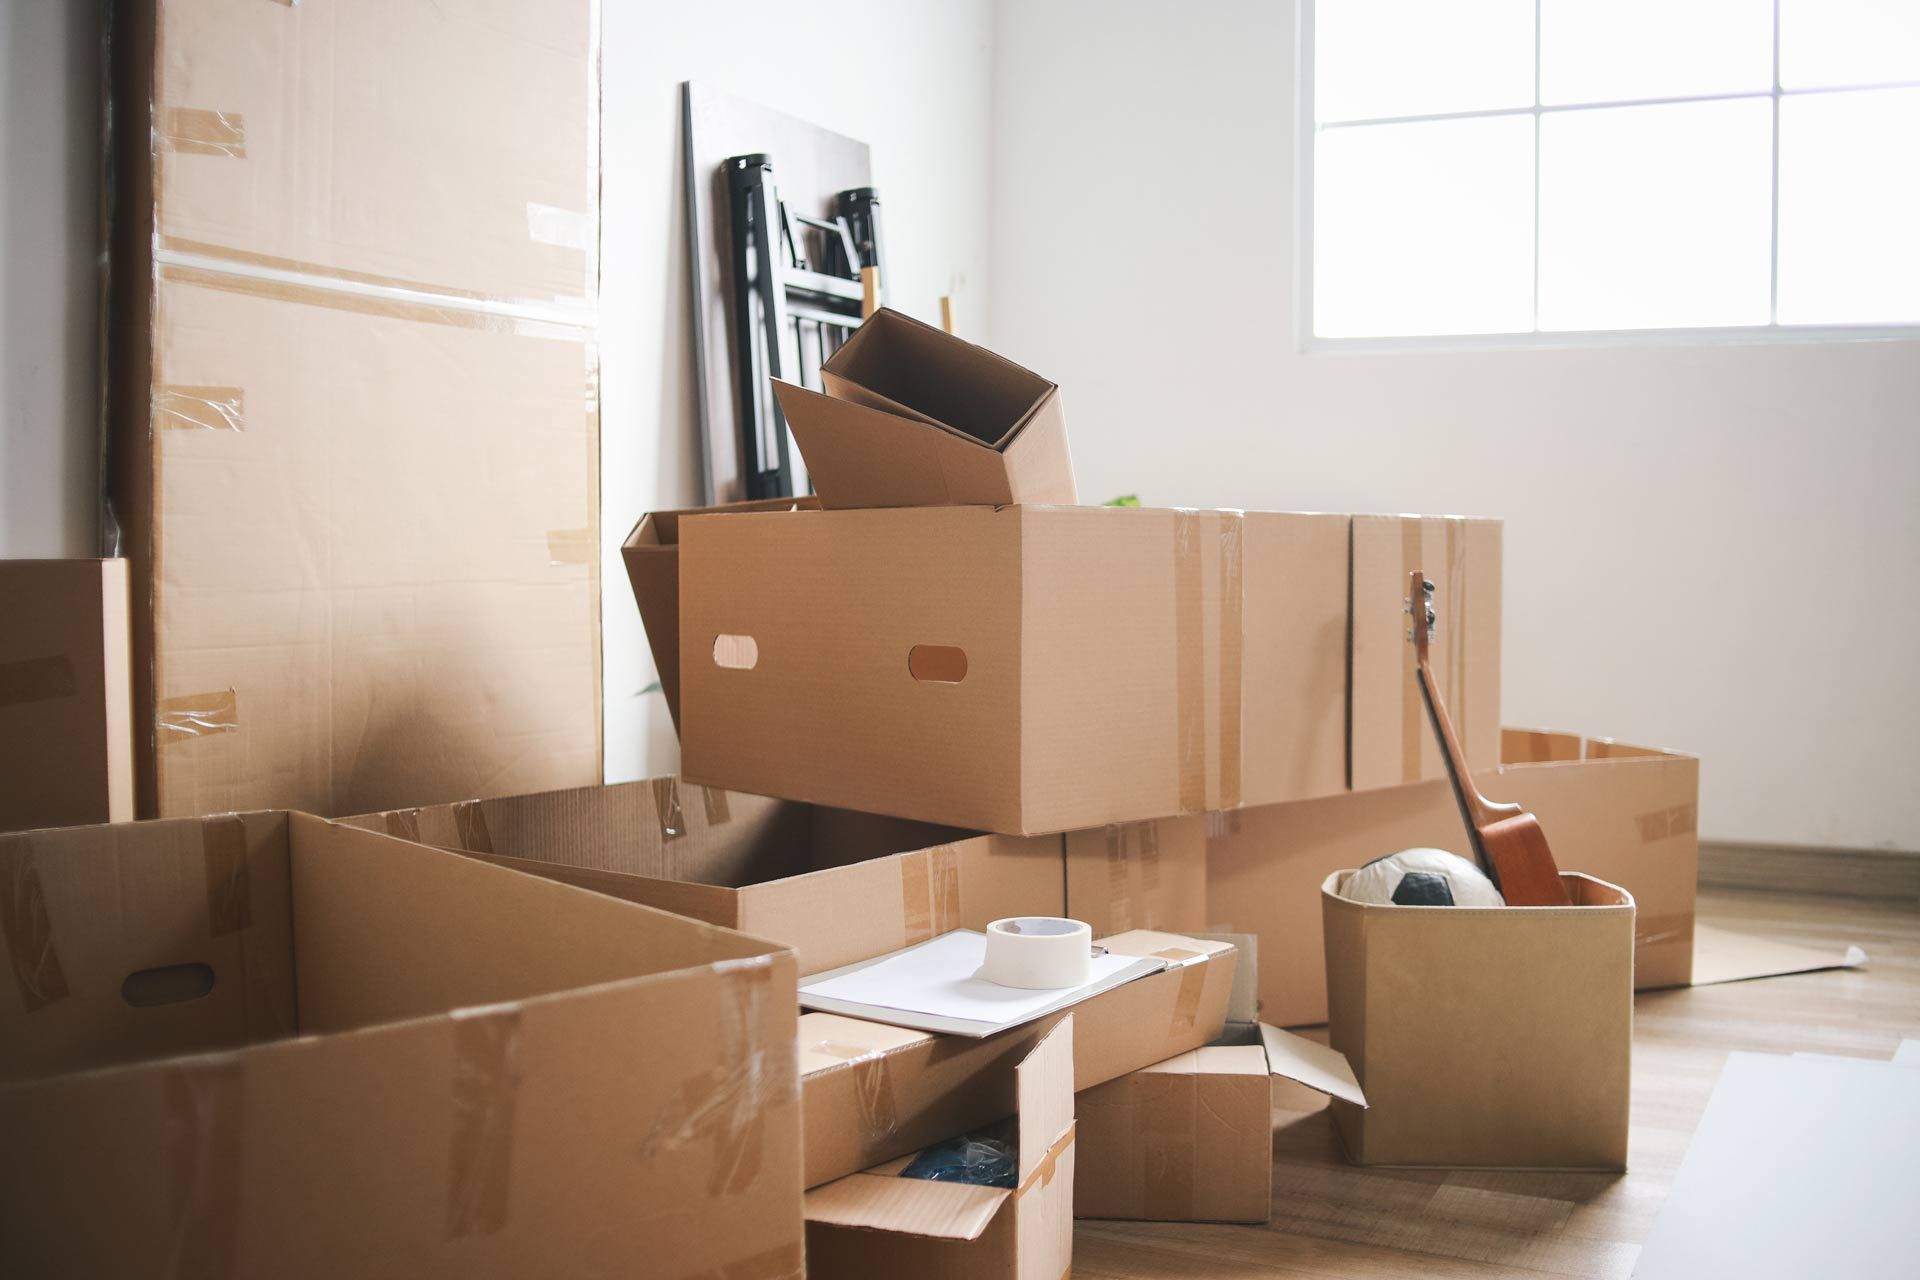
(1582,166)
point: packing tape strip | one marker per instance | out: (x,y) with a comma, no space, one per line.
(1119,883)
(484,1093)
(779,1263)
(37,680)
(1653,931)
(570,546)
(1190,678)
(1193,982)
(196,715)
(206,1129)
(177,406)
(197,131)
(666,808)
(1133,877)
(879,1113)
(404,824)
(1044,1172)
(28,926)
(718,808)
(223,850)
(1195,757)
(177,251)
(1232,647)
(470,827)
(929,893)
(562,228)
(1662,824)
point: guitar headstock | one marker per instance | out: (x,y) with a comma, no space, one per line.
(1419,606)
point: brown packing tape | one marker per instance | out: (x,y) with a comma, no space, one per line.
(28,927)
(719,813)
(872,1086)
(176,407)
(666,808)
(1660,824)
(929,893)
(1232,647)
(223,845)
(1186,1005)
(570,546)
(486,1086)
(206,1131)
(1119,883)
(1190,670)
(196,715)
(405,824)
(1223,823)
(1652,931)
(1410,728)
(1043,1173)
(37,680)
(470,827)
(196,131)
(246,257)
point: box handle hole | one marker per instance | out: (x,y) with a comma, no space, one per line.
(940,663)
(167,984)
(736,653)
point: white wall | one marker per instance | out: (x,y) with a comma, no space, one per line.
(909,78)
(1709,547)
(49,292)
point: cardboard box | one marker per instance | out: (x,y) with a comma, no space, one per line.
(353,416)
(835,886)
(1391,741)
(1624,813)
(263,1044)
(66,731)
(872,1092)
(1020,669)
(915,417)
(1190,1139)
(879,1223)
(652,556)
(1485,1037)
(1139,875)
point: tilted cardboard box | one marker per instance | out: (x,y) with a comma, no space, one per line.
(1620,812)
(872,1092)
(1485,1037)
(264,1044)
(880,1223)
(835,886)
(915,417)
(1023,669)
(66,732)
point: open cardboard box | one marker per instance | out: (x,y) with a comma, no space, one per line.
(835,886)
(1190,1139)
(264,1044)
(1485,1037)
(66,698)
(879,1222)
(915,417)
(871,1092)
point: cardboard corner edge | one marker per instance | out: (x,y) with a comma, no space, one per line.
(1319,1067)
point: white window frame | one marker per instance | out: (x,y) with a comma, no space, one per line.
(1307,130)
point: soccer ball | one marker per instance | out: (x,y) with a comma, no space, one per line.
(1422,878)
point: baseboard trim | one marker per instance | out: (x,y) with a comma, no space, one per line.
(1842,873)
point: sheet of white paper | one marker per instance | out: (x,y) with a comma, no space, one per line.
(1801,1166)
(939,978)
(1908,1054)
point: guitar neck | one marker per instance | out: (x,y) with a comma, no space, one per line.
(1475,810)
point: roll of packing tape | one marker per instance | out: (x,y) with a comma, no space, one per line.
(1038,953)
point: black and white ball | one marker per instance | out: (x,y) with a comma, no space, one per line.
(1423,878)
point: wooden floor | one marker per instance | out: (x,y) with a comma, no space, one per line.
(1332,1219)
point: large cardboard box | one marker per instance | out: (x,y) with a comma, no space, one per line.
(1139,875)
(835,886)
(1021,669)
(353,417)
(871,1092)
(914,417)
(1487,1037)
(66,731)
(263,1044)
(881,1223)
(1620,812)
(1390,741)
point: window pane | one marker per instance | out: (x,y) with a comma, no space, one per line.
(1850,207)
(1616,50)
(1424,228)
(1656,217)
(1839,42)
(1374,58)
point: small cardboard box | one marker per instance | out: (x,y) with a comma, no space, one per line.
(66,727)
(871,1092)
(1485,1037)
(1019,669)
(879,1223)
(1390,740)
(835,886)
(1190,1139)
(266,1045)
(915,417)
(1620,812)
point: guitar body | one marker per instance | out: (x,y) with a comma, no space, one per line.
(1523,865)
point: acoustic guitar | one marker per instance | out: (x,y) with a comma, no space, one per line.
(1507,840)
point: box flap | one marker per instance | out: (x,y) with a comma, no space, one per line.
(905,365)
(1243,1000)
(1177,949)
(881,1201)
(830,1041)
(1314,1065)
(1044,1080)
(861,457)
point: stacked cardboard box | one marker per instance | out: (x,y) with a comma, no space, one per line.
(353,415)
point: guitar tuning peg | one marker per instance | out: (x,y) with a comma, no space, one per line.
(1427,587)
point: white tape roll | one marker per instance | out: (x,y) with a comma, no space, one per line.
(1038,953)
